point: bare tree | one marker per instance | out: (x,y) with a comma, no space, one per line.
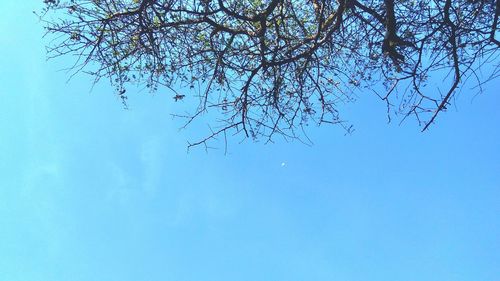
(268,67)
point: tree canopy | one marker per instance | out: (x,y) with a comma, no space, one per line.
(269,67)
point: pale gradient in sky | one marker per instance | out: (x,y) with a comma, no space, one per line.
(90,191)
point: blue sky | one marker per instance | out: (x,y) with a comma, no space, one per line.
(89,191)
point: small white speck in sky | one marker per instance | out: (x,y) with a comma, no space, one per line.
(283,164)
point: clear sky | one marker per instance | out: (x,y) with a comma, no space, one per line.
(89,191)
